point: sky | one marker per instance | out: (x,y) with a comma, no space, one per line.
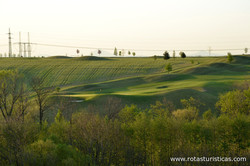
(131,24)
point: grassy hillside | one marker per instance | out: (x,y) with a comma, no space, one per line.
(61,71)
(204,80)
(139,81)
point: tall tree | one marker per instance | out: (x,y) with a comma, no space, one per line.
(129,53)
(168,67)
(229,57)
(166,55)
(155,57)
(77,51)
(182,54)
(99,52)
(234,102)
(115,51)
(123,52)
(42,94)
(174,54)
(246,50)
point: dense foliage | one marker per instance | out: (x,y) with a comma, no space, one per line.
(229,57)
(182,54)
(136,137)
(166,55)
(168,67)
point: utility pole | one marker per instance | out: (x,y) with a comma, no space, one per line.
(20,45)
(209,51)
(24,50)
(24,47)
(29,48)
(10,46)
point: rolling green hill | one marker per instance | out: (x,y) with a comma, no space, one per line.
(139,81)
(204,80)
(61,71)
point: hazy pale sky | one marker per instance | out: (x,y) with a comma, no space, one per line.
(135,24)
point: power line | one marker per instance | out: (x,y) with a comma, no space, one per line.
(67,46)
(153,50)
(24,49)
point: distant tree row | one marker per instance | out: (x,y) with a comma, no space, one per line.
(122,52)
(166,55)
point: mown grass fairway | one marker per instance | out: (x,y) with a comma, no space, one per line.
(139,81)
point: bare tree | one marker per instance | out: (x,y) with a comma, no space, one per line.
(112,107)
(174,54)
(115,51)
(42,94)
(23,102)
(13,96)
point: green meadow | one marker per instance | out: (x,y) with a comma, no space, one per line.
(140,81)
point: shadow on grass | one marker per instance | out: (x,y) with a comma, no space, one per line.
(242,59)
(144,102)
(219,68)
(124,84)
(216,88)
(168,77)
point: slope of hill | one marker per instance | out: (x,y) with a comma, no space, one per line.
(204,81)
(139,81)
